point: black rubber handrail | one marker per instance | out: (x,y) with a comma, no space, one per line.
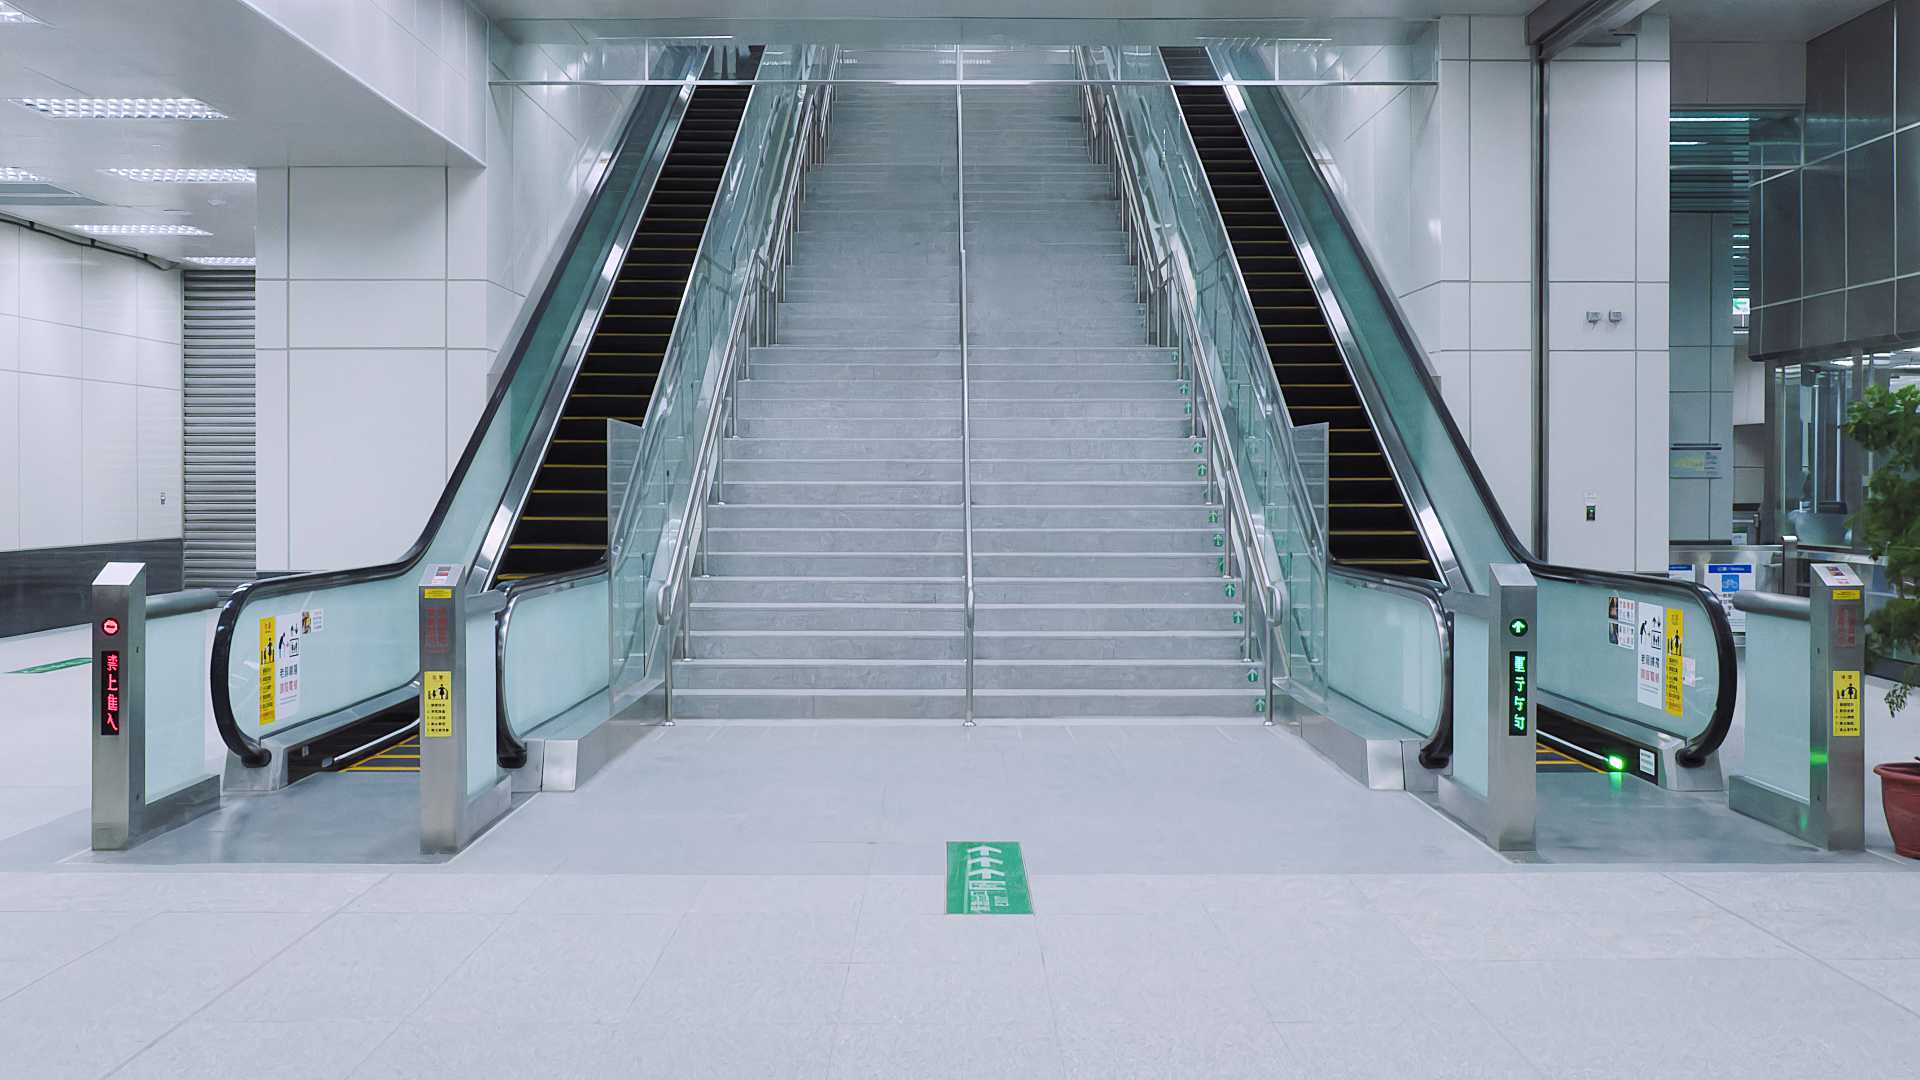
(249,750)
(1701,747)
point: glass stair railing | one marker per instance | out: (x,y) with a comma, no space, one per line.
(1587,684)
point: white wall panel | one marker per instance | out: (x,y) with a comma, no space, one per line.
(51,348)
(1651,185)
(109,288)
(159,364)
(1650,462)
(466,397)
(9,341)
(110,495)
(270,235)
(109,357)
(159,298)
(1500,170)
(1591,129)
(10,459)
(377,223)
(52,277)
(1439,314)
(1454,370)
(1501,315)
(272,501)
(1494,37)
(270,314)
(1501,432)
(51,468)
(160,453)
(9,271)
(1591,425)
(467,315)
(365,469)
(367,314)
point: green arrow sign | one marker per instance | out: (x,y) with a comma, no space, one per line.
(987,877)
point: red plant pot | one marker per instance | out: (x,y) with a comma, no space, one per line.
(1900,797)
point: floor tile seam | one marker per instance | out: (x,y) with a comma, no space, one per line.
(145,918)
(1790,946)
(653,967)
(228,988)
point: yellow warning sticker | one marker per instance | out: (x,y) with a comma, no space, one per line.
(269,670)
(1846,594)
(1846,704)
(437,594)
(436,704)
(1676,662)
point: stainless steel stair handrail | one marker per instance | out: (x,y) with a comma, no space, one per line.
(966,390)
(1172,321)
(751,324)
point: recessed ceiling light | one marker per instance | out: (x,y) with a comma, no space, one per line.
(185,176)
(11,175)
(221,260)
(141,230)
(123,108)
(13,16)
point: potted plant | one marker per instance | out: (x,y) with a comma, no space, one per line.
(1887,424)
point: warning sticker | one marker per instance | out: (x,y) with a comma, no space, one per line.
(1676,663)
(1846,704)
(436,704)
(268,671)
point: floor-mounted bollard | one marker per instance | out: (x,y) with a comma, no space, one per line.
(1805,769)
(130,801)
(462,788)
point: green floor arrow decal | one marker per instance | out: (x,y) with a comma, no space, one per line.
(58,665)
(987,877)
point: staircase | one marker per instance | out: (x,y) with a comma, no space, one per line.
(1368,522)
(833,578)
(1099,586)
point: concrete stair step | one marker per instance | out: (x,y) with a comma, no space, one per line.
(908,470)
(743,516)
(1052,471)
(1013,706)
(775,674)
(1093,590)
(818,705)
(988,516)
(1142,645)
(1088,540)
(835,564)
(767,589)
(1106,618)
(804,428)
(822,618)
(1106,564)
(748,448)
(789,405)
(814,644)
(877,541)
(841,492)
(1091,493)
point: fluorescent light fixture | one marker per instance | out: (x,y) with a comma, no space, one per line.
(185,176)
(1709,119)
(13,16)
(140,230)
(11,175)
(221,260)
(1686,144)
(122,108)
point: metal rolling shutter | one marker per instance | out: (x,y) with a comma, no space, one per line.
(218,439)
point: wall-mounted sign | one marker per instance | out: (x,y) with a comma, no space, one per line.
(1846,704)
(1727,579)
(110,699)
(1696,463)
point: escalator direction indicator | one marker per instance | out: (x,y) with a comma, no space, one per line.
(1518,678)
(110,692)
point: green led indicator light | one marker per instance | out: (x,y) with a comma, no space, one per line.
(1518,628)
(1616,763)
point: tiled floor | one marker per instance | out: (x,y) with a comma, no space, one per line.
(756,902)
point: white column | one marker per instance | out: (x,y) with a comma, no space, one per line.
(1607,253)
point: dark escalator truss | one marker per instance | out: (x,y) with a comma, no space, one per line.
(1369,522)
(564,524)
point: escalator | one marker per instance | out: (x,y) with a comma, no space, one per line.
(564,524)
(1413,526)
(1369,522)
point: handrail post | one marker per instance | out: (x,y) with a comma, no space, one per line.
(966,389)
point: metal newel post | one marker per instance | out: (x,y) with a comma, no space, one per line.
(450,817)
(1837,633)
(1503,814)
(119,703)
